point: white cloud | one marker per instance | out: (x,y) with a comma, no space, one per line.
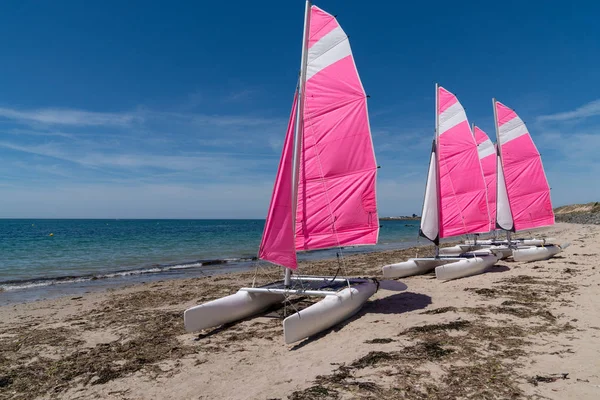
(71,117)
(209,164)
(590,109)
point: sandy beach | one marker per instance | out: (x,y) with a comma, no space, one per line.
(519,331)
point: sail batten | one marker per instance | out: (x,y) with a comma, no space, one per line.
(526,185)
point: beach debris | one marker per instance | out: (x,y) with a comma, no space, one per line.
(315,392)
(372,358)
(5,381)
(440,310)
(535,380)
(454,325)
(379,341)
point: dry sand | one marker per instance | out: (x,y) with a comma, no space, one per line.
(519,331)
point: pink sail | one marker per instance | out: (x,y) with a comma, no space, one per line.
(277,245)
(336,192)
(487,157)
(526,183)
(336,203)
(462,190)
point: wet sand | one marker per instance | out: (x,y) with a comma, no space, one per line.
(519,331)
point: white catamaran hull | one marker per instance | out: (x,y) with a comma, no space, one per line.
(502,250)
(525,242)
(227,309)
(414,266)
(327,312)
(465,267)
(537,253)
(418,266)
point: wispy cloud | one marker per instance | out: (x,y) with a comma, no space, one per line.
(32,132)
(70,117)
(239,95)
(590,109)
(206,164)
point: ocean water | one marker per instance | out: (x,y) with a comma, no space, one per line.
(42,258)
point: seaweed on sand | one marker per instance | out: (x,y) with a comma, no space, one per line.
(315,392)
(380,341)
(475,358)
(454,325)
(440,310)
(373,358)
(154,340)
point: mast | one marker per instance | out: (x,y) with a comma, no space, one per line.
(476,235)
(437,161)
(298,128)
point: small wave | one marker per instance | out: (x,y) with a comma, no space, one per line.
(155,269)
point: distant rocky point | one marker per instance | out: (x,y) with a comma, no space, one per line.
(401,217)
(579,213)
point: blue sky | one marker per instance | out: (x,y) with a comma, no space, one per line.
(178,109)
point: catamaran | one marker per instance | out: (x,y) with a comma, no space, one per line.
(526,187)
(523,194)
(487,158)
(455,197)
(324,192)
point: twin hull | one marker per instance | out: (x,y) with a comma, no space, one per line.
(537,253)
(501,250)
(525,242)
(446,268)
(324,314)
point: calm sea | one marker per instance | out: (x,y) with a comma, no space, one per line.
(45,258)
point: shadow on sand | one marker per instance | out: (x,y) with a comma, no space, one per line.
(392,285)
(498,268)
(394,304)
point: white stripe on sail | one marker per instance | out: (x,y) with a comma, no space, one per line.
(485,149)
(512,130)
(452,116)
(327,51)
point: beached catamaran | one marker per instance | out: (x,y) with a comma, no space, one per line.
(324,192)
(455,196)
(487,158)
(523,194)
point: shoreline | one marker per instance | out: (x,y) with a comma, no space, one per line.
(43,288)
(510,332)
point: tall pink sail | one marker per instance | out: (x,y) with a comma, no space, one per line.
(277,245)
(336,202)
(526,184)
(336,192)
(463,205)
(487,157)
